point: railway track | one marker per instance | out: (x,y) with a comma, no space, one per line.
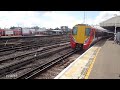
(52,72)
(40,50)
(6,51)
(13,42)
(21,60)
(40,68)
(25,44)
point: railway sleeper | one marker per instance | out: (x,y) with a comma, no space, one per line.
(27,61)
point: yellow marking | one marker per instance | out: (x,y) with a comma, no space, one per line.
(73,71)
(91,65)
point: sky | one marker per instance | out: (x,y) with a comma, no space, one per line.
(53,19)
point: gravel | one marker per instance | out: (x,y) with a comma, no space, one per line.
(38,62)
(55,70)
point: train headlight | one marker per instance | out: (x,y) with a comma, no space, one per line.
(86,40)
(73,39)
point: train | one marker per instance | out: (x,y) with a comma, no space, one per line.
(10,32)
(29,32)
(83,36)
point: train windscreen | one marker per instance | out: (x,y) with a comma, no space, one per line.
(74,31)
(87,31)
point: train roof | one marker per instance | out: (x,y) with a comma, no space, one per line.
(100,28)
(94,26)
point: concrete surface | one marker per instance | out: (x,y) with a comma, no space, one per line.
(107,63)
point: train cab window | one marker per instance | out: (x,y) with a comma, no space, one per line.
(74,32)
(87,31)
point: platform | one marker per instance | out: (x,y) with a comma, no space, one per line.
(107,64)
(101,61)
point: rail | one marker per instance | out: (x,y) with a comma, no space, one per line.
(41,68)
(30,59)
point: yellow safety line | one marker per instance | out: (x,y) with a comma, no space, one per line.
(91,65)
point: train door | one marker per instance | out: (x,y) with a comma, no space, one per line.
(81,33)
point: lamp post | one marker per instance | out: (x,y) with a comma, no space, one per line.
(115,27)
(84,18)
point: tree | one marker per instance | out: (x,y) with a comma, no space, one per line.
(12,27)
(36,27)
(57,28)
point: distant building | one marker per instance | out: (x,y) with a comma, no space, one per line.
(54,32)
(64,28)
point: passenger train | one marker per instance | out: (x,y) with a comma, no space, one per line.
(83,36)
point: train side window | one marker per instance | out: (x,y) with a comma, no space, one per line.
(97,34)
(87,31)
(74,32)
(92,33)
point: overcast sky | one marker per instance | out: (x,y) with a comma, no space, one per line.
(52,19)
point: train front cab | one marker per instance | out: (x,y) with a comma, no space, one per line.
(78,36)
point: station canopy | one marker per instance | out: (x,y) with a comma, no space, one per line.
(111,23)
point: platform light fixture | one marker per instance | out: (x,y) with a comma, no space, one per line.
(115,25)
